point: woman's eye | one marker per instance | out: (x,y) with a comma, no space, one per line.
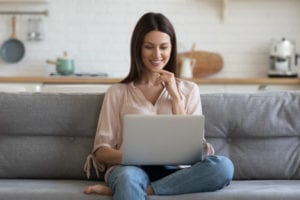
(148,47)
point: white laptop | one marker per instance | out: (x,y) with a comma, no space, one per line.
(162,139)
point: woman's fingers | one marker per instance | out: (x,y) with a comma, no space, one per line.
(168,80)
(164,76)
(209,149)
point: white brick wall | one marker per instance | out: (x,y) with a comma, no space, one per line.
(97,32)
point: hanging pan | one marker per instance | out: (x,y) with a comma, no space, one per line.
(12,50)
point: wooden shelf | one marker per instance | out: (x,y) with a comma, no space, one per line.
(95,80)
(244,81)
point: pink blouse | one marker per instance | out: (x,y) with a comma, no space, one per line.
(122,99)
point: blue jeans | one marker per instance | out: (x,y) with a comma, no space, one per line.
(130,182)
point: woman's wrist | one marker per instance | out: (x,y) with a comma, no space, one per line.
(176,98)
(178,107)
(109,155)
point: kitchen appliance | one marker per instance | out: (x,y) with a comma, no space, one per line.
(64,65)
(283,59)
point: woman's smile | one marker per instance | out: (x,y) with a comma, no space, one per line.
(156,62)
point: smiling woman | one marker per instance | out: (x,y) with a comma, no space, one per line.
(151,88)
(151,26)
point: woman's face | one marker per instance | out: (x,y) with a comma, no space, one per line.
(156,50)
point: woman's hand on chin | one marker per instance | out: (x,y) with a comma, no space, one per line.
(168,80)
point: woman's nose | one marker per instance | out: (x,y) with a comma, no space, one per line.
(156,53)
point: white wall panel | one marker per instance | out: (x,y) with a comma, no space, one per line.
(97,32)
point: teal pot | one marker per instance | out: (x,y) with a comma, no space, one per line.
(64,65)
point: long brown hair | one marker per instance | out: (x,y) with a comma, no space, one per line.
(147,23)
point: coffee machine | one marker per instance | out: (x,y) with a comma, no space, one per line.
(283,59)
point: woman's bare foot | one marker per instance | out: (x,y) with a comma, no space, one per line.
(150,190)
(98,189)
(104,190)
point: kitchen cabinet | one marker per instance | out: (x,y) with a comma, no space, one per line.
(246,88)
(98,85)
(101,88)
(241,85)
(282,87)
(216,88)
(74,88)
(260,88)
(53,88)
(20,87)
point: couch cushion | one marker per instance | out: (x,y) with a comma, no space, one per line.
(44,156)
(246,190)
(260,132)
(14,189)
(47,135)
(50,135)
(72,189)
(49,114)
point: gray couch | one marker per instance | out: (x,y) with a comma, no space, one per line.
(45,138)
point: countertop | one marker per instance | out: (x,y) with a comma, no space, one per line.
(97,80)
